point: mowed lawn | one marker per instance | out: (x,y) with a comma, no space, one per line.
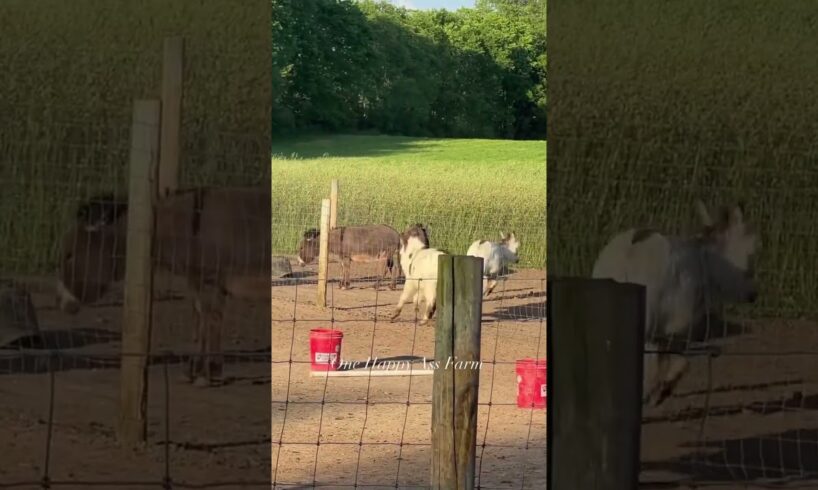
(461,189)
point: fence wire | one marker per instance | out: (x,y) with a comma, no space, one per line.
(745,411)
(370,429)
(60,372)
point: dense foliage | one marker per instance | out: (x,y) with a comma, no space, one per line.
(341,65)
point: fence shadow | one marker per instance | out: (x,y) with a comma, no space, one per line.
(39,361)
(210,447)
(74,338)
(795,401)
(530,311)
(717,328)
(791,454)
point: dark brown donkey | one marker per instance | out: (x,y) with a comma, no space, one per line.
(368,243)
(219,238)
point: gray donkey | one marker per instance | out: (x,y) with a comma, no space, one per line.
(685,279)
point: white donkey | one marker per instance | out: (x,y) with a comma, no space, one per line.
(419,264)
(685,279)
(496,257)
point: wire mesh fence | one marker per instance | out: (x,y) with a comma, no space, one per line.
(368,424)
(67,176)
(743,412)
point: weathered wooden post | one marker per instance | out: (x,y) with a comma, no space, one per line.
(323,253)
(333,201)
(138,272)
(457,374)
(172,82)
(594,405)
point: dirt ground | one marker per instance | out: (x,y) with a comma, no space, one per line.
(376,431)
(216,435)
(760,422)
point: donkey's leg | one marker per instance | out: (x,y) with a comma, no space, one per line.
(409,291)
(652,364)
(429,308)
(380,272)
(213,304)
(194,363)
(492,283)
(428,290)
(394,267)
(345,264)
(199,361)
(675,367)
(216,365)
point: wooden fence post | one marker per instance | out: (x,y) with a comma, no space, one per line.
(333,201)
(323,253)
(172,82)
(138,272)
(456,379)
(594,405)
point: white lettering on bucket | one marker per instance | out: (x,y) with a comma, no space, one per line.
(325,357)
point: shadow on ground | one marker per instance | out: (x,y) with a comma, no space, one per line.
(790,455)
(38,361)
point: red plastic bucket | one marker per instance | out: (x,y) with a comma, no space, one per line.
(325,349)
(531,383)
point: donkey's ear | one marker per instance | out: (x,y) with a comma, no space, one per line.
(503,235)
(736,216)
(704,214)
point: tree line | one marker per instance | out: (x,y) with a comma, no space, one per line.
(352,66)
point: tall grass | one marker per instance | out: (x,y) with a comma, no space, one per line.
(463,190)
(70,73)
(655,104)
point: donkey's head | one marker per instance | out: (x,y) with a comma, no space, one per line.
(309,247)
(415,237)
(417,231)
(735,242)
(510,242)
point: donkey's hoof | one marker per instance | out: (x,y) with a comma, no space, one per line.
(394,317)
(201,382)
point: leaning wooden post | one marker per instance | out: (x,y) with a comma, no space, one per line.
(457,377)
(594,403)
(323,253)
(333,202)
(138,272)
(172,81)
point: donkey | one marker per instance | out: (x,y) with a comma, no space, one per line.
(370,243)
(219,238)
(685,280)
(496,257)
(419,264)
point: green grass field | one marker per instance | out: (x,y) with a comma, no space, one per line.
(463,190)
